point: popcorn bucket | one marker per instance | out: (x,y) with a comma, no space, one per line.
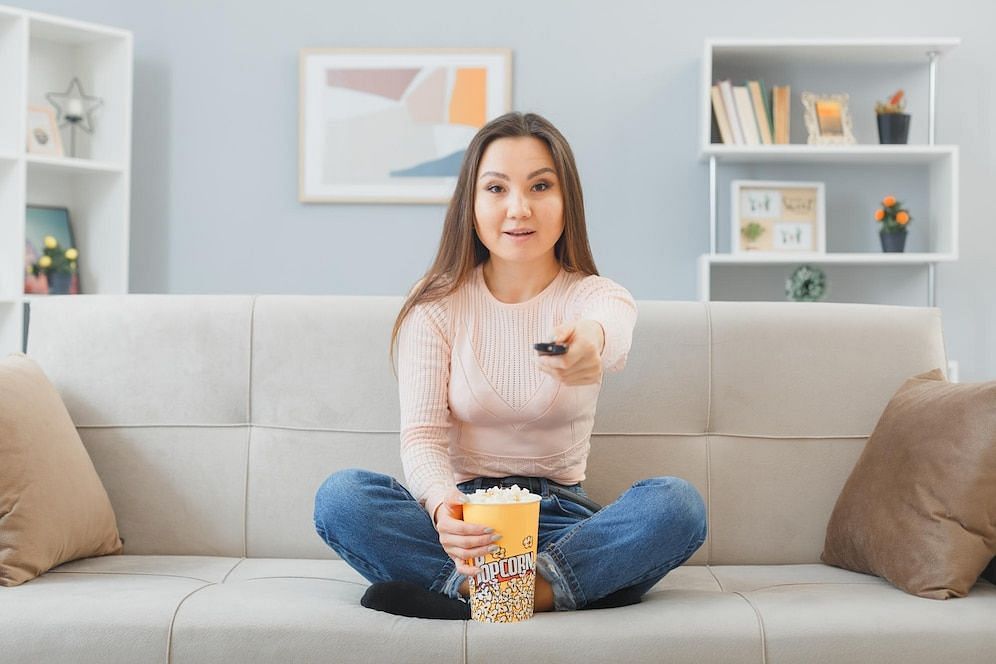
(503,591)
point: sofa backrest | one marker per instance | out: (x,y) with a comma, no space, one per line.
(213,419)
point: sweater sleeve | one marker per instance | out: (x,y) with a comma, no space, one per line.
(603,300)
(423,388)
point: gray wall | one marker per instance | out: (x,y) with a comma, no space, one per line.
(215,205)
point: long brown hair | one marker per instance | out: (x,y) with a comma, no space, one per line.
(460,250)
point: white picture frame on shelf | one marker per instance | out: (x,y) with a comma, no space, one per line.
(828,119)
(775,218)
(383,125)
(43,132)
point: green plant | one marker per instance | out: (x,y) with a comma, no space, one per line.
(892,216)
(752,231)
(55,259)
(807,284)
(896,104)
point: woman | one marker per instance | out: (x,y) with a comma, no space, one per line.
(480,408)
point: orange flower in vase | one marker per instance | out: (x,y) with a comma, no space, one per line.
(893,219)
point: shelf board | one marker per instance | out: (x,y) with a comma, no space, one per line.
(860,258)
(29,298)
(71,165)
(839,51)
(70,31)
(841,154)
(15,299)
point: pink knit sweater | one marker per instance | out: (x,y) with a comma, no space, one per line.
(473,404)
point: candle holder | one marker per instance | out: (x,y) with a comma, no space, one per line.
(77,112)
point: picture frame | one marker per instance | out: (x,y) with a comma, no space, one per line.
(383,125)
(43,132)
(828,119)
(773,218)
(42,220)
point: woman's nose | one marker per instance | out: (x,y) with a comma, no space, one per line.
(518,206)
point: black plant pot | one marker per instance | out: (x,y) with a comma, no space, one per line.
(893,242)
(59,283)
(893,128)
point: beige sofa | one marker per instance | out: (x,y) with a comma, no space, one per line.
(212,420)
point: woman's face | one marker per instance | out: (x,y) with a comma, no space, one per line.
(517,190)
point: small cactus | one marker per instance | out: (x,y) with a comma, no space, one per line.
(896,104)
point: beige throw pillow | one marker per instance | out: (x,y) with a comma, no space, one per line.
(53,507)
(918,507)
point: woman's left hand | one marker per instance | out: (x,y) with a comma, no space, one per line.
(582,363)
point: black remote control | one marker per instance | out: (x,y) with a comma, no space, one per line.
(550,348)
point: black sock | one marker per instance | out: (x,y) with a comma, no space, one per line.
(621,597)
(404,598)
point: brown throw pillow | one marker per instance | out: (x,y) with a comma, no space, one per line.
(917,509)
(53,507)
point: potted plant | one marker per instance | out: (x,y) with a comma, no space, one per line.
(893,124)
(894,220)
(57,264)
(751,232)
(807,284)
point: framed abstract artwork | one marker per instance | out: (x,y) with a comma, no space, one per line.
(392,125)
(777,218)
(828,119)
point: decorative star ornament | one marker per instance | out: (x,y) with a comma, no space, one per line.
(78,114)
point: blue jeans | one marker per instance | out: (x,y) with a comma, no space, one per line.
(381,531)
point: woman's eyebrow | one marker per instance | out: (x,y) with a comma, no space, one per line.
(529,177)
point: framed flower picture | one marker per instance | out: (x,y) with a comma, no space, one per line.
(777,217)
(392,125)
(43,132)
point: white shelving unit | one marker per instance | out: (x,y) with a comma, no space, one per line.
(858,175)
(40,53)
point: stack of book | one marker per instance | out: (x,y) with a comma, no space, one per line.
(747,115)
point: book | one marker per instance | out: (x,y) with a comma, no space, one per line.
(719,112)
(745,112)
(760,112)
(766,96)
(715,137)
(731,111)
(781,109)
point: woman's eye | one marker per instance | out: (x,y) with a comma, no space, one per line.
(496,188)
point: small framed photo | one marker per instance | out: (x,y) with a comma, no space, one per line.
(42,221)
(828,119)
(777,217)
(392,125)
(43,132)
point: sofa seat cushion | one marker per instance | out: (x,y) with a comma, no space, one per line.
(106,609)
(822,613)
(207,609)
(684,618)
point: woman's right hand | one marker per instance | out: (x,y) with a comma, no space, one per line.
(461,540)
